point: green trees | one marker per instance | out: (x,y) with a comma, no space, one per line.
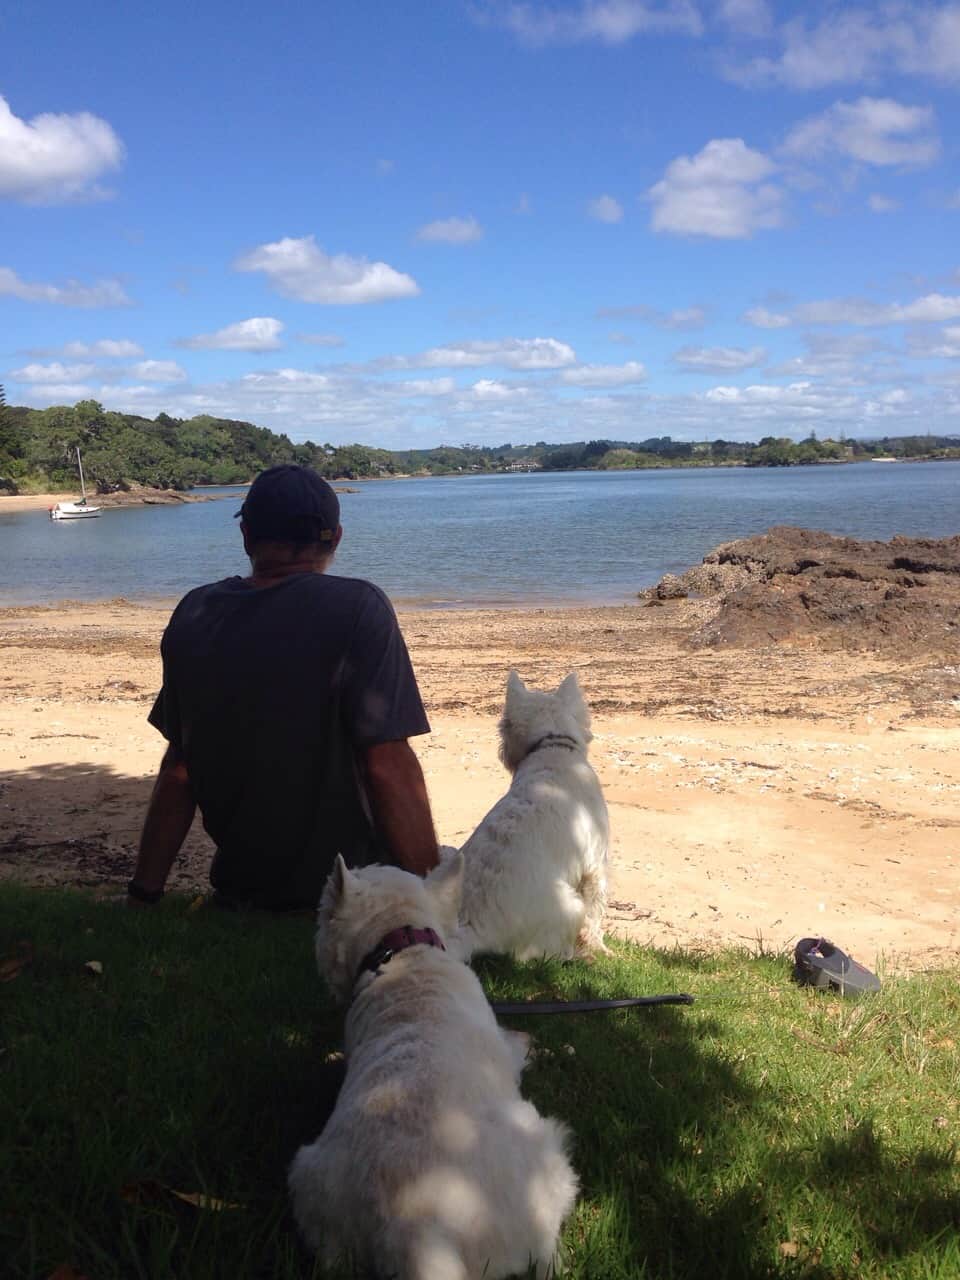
(38,450)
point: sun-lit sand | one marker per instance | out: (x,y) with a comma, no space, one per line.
(753,795)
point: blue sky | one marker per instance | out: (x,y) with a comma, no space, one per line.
(474,220)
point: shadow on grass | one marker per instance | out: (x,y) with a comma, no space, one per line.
(198,1060)
(684,1155)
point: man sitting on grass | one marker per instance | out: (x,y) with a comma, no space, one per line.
(287,701)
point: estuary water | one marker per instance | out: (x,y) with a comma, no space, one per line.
(538,538)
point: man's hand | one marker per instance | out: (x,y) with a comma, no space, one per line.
(398,795)
(135,904)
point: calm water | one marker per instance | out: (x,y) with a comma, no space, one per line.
(511,539)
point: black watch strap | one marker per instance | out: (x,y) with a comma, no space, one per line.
(149,896)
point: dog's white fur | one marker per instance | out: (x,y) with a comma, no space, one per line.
(535,882)
(432,1166)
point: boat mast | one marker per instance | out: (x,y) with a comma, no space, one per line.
(83,488)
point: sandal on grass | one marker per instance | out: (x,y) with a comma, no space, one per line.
(818,963)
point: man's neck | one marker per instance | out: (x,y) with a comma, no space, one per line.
(268,572)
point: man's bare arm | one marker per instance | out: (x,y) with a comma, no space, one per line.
(169,816)
(401,808)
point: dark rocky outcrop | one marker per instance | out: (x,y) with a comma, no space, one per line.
(804,586)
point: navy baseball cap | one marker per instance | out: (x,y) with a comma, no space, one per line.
(291,504)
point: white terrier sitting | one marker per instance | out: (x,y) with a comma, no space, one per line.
(536,867)
(432,1166)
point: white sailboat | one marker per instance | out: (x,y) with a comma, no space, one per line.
(75,510)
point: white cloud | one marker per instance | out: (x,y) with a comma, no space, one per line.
(104,293)
(605,209)
(299,268)
(260,333)
(606,21)
(719,192)
(605,375)
(761,318)
(491,389)
(875,131)
(63,393)
(719,359)
(678,318)
(858,311)
(55,158)
(512,353)
(942,346)
(848,359)
(159,371)
(929,309)
(451,231)
(52,373)
(112,348)
(751,18)
(321,339)
(298,381)
(423,386)
(882,204)
(851,44)
(764,400)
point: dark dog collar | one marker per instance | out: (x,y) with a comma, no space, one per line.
(554,740)
(397,940)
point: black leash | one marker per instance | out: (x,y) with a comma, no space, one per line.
(583,1006)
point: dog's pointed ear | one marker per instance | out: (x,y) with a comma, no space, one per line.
(340,879)
(445,886)
(572,698)
(515,686)
(569,690)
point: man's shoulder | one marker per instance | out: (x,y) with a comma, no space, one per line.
(330,594)
(198,595)
(332,589)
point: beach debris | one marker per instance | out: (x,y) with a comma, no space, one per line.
(94,966)
(149,1191)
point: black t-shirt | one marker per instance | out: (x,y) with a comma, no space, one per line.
(267,695)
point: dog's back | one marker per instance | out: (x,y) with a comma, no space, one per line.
(535,878)
(432,1167)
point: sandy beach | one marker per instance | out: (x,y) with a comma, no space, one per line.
(755,796)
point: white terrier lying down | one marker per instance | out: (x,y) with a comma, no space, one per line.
(535,882)
(432,1166)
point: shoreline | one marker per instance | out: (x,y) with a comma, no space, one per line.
(17,502)
(402,604)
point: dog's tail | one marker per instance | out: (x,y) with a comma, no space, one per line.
(593,891)
(435,1255)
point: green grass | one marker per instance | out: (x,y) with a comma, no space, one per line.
(767,1131)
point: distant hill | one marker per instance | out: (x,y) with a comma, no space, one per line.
(38,451)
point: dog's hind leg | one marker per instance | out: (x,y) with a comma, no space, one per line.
(557,934)
(464,943)
(593,893)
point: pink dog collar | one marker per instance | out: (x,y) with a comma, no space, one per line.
(398,940)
